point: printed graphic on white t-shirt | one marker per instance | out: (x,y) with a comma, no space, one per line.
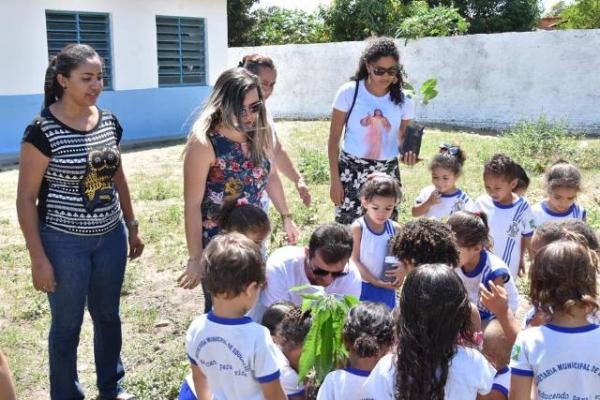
(508,225)
(235,355)
(374,123)
(542,214)
(345,384)
(563,362)
(469,374)
(449,203)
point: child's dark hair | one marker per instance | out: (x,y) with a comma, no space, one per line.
(275,313)
(563,174)
(377,48)
(333,240)
(294,327)
(369,329)
(253,63)
(236,215)
(522,178)
(502,166)
(425,241)
(232,262)
(69,58)
(378,184)
(451,158)
(434,312)
(562,229)
(470,228)
(563,275)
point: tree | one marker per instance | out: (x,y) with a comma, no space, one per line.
(583,14)
(436,21)
(275,25)
(349,20)
(239,22)
(492,16)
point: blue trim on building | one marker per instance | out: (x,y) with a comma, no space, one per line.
(145,114)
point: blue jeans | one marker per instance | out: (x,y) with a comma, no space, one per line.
(86,268)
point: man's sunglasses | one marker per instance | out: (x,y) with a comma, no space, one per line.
(253,108)
(323,272)
(379,71)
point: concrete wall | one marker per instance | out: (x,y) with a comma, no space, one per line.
(484,81)
(145,110)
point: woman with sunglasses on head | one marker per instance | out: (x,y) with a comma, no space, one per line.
(371,113)
(227,155)
(76,215)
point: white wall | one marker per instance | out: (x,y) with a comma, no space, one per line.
(484,81)
(24,51)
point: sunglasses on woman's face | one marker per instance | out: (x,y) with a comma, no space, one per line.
(253,108)
(379,71)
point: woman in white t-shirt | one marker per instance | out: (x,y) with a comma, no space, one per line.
(429,363)
(375,114)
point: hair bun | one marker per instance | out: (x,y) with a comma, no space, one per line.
(366,345)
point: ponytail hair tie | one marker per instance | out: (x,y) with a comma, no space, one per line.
(449,149)
(242,201)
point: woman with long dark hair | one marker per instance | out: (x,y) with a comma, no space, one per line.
(429,361)
(76,215)
(372,113)
(228,156)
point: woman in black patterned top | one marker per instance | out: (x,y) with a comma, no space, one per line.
(76,215)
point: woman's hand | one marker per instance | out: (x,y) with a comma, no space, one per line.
(136,243)
(409,158)
(303,192)
(42,274)
(290,230)
(190,278)
(336,191)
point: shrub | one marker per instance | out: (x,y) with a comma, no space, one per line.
(314,166)
(537,144)
(436,21)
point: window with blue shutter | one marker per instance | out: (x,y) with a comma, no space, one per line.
(64,27)
(181,51)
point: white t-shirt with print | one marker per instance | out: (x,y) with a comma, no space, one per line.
(345,384)
(469,374)
(564,362)
(289,377)
(502,381)
(235,354)
(489,268)
(449,203)
(374,122)
(508,225)
(542,214)
(285,270)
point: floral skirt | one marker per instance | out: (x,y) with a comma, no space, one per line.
(353,173)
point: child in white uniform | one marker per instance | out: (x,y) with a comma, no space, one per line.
(562,355)
(434,314)
(443,197)
(509,216)
(497,347)
(368,335)
(477,265)
(231,356)
(563,183)
(371,236)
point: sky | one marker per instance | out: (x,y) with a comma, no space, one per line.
(312,5)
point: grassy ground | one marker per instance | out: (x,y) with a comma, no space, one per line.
(155,312)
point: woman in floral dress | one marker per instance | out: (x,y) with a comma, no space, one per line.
(227,156)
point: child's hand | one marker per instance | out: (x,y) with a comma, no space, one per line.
(434,198)
(397,274)
(495,299)
(383,284)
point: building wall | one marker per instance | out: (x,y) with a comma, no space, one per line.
(484,81)
(145,110)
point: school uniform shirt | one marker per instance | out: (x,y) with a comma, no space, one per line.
(285,271)
(345,384)
(289,377)
(374,246)
(489,268)
(542,214)
(564,362)
(469,374)
(502,381)
(449,203)
(508,225)
(374,123)
(236,355)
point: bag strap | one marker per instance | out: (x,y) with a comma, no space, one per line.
(351,107)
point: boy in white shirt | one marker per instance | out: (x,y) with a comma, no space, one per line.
(231,356)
